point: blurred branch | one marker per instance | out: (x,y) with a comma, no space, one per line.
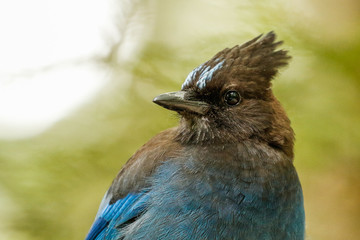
(123,20)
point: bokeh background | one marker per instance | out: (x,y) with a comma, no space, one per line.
(77,79)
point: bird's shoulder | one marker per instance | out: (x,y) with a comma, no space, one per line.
(134,174)
(126,197)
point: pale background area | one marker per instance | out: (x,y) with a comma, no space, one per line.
(77,79)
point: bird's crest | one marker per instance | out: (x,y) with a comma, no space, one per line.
(255,62)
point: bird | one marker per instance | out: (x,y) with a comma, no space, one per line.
(226,171)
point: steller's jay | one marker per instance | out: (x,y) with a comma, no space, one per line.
(226,172)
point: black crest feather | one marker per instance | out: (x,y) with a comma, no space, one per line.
(252,64)
(257,56)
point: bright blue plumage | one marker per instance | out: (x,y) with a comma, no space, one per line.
(116,214)
(226,172)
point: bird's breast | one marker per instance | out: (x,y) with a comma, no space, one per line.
(232,187)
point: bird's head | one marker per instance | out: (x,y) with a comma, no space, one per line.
(229,98)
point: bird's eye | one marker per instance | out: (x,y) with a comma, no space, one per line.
(232,98)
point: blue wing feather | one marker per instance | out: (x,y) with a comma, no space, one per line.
(97,227)
(118,213)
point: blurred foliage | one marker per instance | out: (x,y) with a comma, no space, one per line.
(51,185)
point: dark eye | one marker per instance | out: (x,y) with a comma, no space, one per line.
(232,98)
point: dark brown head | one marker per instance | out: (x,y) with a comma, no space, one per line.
(229,98)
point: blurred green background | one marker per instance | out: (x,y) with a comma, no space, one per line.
(51,184)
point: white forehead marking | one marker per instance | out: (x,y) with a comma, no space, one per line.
(205,76)
(190,77)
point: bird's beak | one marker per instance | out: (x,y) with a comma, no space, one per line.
(176,101)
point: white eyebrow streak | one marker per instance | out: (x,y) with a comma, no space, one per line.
(190,77)
(207,75)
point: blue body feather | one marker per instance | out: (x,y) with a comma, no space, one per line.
(191,198)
